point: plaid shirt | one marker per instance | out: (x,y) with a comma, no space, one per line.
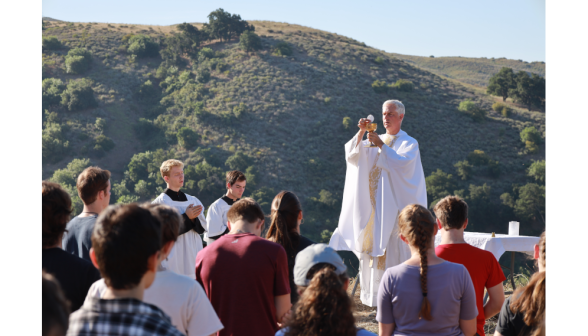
(99,317)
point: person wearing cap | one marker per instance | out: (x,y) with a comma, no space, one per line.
(324,308)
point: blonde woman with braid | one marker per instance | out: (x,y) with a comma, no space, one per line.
(425,295)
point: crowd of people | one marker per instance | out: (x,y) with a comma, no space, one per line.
(137,269)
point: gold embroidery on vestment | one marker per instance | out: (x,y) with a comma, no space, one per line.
(374,179)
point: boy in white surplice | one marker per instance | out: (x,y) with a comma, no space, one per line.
(216,218)
(182,258)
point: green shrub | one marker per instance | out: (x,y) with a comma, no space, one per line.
(531,134)
(148,93)
(238,161)
(161,72)
(537,171)
(203,76)
(187,138)
(470,108)
(282,49)
(478,158)
(125,199)
(53,143)
(379,60)
(78,95)
(51,43)
(346,122)
(142,46)
(103,144)
(52,90)
(497,106)
(68,175)
(249,41)
(238,110)
(464,169)
(505,112)
(327,100)
(205,53)
(78,61)
(379,86)
(404,85)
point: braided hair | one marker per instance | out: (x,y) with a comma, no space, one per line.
(417,225)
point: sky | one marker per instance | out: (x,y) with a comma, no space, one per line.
(473,28)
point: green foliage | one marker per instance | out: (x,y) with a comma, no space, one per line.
(53,143)
(537,171)
(161,72)
(494,169)
(282,48)
(51,43)
(439,184)
(78,95)
(103,144)
(142,46)
(100,124)
(239,110)
(531,202)
(238,161)
(148,93)
(52,89)
(501,84)
(187,138)
(530,90)
(143,189)
(478,158)
(264,197)
(464,169)
(78,61)
(126,199)
(326,236)
(379,86)
(530,134)
(224,26)
(69,175)
(346,123)
(404,85)
(203,76)
(249,41)
(507,200)
(379,60)
(252,174)
(206,53)
(474,111)
(502,109)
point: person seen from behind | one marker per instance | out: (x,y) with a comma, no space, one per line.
(285,230)
(425,295)
(74,274)
(523,313)
(324,308)
(452,220)
(93,186)
(179,296)
(245,276)
(126,248)
(55,307)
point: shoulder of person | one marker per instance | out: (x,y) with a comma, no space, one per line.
(160,198)
(192,198)
(363,332)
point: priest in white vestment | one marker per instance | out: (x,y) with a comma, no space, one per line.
(379,183)
(182,258)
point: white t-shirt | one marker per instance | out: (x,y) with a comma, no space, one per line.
(180,297)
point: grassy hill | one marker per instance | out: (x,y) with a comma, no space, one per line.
(280,118)
(474,71)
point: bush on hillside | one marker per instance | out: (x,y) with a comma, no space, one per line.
(142,46)
(103,144)
(52,90)
(379,86)
(474,111)
(187,138)
(53,144)
(238,161)
(282,49)
(249,41)
(203,76)
(439,184)
(239,110)
(531,202)
(478,158)
(530,134)
(537,171)
(78,61)
(494,169)
(464,169)
(224,26)
(78,95)
(51,43)
(404,85)
(205,53)
(346,123)
(148,93)
(502,109)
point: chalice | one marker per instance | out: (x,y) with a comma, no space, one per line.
(371,127)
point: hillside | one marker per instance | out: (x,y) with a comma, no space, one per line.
(280,118)
(474,71)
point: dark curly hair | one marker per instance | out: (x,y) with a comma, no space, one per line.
(56,211)
(324,307)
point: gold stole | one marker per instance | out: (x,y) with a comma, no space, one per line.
(374,178)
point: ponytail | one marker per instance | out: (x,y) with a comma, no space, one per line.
(284,220)
(417,225)
(531,301)
(324,308)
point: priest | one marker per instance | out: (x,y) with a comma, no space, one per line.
(380,181)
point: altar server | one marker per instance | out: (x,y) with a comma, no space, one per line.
(183,255)
(216,218)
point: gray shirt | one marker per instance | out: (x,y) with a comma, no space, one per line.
(77,239)
(450,292)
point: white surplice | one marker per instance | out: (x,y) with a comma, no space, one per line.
(216,219)
(182,258)
(379,183)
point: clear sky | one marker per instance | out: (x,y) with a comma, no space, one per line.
(472,28)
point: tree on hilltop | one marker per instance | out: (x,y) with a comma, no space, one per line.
(529,90)
(184,44)
(502,83)
(223,26)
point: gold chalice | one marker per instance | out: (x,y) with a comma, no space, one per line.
(371,127)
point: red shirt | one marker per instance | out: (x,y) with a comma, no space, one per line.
(241,274)
(483,268)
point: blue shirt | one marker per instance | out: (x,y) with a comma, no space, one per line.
(78,236)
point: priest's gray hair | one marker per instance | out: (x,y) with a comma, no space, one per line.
(397,103)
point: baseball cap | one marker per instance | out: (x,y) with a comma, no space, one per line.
(312,255)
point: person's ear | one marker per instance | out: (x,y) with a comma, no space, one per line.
(300,215)
(465,225)
(401,117)
(153,262)
(166,249)
(435,232)
(229,225)
(403,239)
(166,179)
(93,257)
(536,251)
(439,225)
(228,185)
